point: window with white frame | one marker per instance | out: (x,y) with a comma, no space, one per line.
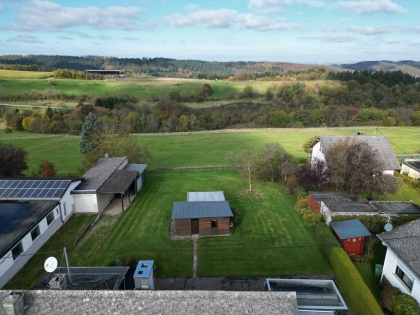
(50,218)
(17,250)
(404,278)
(35,233)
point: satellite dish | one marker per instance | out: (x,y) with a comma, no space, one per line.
(388,227)
(50,264)
(106,155)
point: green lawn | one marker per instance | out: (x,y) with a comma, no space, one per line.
(12,74)
(196,149)
(143,233)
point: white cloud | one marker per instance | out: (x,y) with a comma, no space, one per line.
(414,29)
(191,7)
(332,28)
(224,18)
(49,16)
(331,39)
(84,35)
(104,37)
(25,39)
(2,8)
(370,6)
(370,30)
(273,6)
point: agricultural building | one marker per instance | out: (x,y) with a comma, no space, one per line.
(402,259)
(411,167)
(351,234)
(380,144)
(31,211)
(202,218)
(107,179)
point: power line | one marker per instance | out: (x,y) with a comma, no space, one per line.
(393,142)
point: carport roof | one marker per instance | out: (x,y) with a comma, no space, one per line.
(201,209)
(135,167)
(118,182)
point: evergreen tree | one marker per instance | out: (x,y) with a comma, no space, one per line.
(90,127)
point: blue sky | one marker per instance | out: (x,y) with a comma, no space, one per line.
(324,31)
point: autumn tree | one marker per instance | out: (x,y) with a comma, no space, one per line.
(313,175)
(47,169)
(12,160)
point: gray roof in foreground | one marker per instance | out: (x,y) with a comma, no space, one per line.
(99,173)
(380,144)
(206,196)
(413,163)
(350,228)
(396,207)
(201,209)
(17,218)
(157,302)
(404,241)
(333,196)
(118,182)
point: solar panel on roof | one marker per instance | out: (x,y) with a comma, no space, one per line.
(21,184)
(32,188)
(42,184)
(14,184)
(21,192)
(28,193)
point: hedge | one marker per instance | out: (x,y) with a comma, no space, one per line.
(405,304)
(348,277)
(325,239)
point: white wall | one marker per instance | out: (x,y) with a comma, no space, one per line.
(390,264)
(411,172)
(104,200)
(317,153)
(9,267)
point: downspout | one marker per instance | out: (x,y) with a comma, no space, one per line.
(61,214)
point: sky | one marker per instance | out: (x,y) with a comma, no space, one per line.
(303,31)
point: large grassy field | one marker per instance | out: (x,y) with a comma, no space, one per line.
(142,88)
(11,74)
(272,240)
(198,149)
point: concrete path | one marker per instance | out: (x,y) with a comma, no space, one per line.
(195,249)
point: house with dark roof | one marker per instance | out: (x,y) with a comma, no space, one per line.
(204,214)
(107,179)
(31,211)
(380,144)
(351,234)
(411,167)
(402,259)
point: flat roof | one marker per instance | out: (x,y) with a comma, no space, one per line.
(333,196)
(206,196)
(397,207)
(201,209)
(135,167)
(96,176)
(118,182)
(17,218)
(352,207)
(413,163)
(349,229)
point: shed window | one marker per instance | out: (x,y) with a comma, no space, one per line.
(50,218)
(404,278)
(17,251)
(214,224)
(35,233)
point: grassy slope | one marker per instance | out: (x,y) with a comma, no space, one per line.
(10,74)
(197,149)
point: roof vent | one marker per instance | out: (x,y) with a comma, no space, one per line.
(13,304)
(58,282)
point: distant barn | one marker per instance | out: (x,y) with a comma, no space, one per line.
(105,72)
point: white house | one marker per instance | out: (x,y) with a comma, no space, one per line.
(402,260)
(31,210)
(411,167)
(108,178)
(380,144)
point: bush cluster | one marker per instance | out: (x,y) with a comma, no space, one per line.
(405,304)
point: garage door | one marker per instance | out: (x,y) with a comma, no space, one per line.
(83,204)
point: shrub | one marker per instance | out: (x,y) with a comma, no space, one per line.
(325,238)
(302,204)
(388,293)
(358,294)
(311,216)
(237,217)
(405,304)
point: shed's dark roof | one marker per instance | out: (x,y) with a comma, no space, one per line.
(201,209)
(334,196)
(135,167)
(413,163)
(396,207)
(380,144)
(349,229)
(96,176)
(118,182)
(87,278)
(47,302)
(404,241)
(17,218)
(352,206)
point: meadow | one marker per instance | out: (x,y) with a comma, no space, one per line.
(271,232)
(198,149)
(11,74)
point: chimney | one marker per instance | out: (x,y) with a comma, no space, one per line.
(13,304)
(58,282)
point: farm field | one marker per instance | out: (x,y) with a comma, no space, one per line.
(11,74)
(175,150)
(142,88)
(271,231)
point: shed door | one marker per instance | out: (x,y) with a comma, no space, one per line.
(194,226)
(83,204)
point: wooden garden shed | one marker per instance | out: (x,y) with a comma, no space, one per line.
(201,217)
(351,234)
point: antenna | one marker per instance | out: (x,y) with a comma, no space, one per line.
(67,262)
(50,264)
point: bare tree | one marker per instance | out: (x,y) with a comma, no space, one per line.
(249,165)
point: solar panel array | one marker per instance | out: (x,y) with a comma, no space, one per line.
(32,189)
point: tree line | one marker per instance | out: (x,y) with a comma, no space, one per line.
(387,78)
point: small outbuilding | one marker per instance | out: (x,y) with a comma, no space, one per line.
(411,167)
(202,218)
(351,234)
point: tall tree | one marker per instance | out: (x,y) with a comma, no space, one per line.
(249,166)
(12,160)
(47,170)
(90,128)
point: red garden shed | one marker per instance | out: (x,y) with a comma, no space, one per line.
(351,234)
